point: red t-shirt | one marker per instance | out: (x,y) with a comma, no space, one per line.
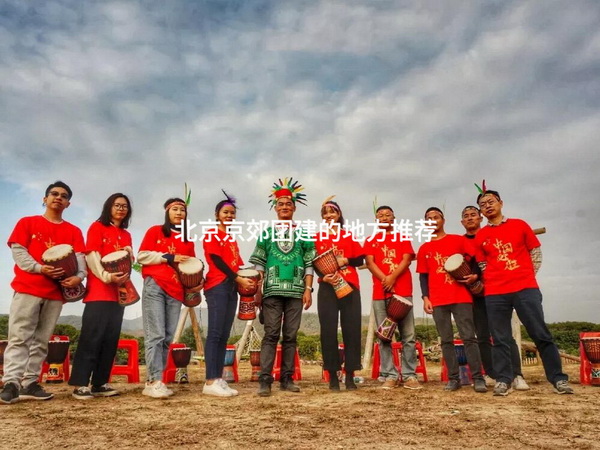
(443,289)
(505,248)
(346,247)
(163,274)
(220,244)
(388,255)
(104,240)
(37,234)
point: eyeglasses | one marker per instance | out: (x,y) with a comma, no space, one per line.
(120,206)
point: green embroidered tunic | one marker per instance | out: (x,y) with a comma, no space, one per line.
(285,261)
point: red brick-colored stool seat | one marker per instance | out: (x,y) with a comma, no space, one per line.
(132,369)
(297,376)
(396,355)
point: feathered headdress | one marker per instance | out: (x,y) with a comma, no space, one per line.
(187,195)
(229,198)
(375,206)
(287,188)
(327,202)
(481,189)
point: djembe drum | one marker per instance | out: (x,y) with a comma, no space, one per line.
(458,268)
(255,363)
(120,261)
(591,346)
(464,371)
(247,310)
(397,308)
(57,353)
(62,256)
(327,264)
(181,358)
(3,345)
(228,374)
(190,274)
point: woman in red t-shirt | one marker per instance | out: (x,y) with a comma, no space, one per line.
(102,315)
(350,255)
(220,288)
(162,247)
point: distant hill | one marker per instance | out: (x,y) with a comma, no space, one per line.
(309,326)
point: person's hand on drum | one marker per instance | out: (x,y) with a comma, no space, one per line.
(118,278)
(197,288)
(245,283)
(53,272)
(341,261)
(469,279)
(180,258)
(332,278)
(427,305)
(71,281)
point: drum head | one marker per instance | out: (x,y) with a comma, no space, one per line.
(57,252)
(114,256)
(191,266)
(248,273)
(454,262)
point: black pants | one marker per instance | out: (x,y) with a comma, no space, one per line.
(282,315)
(100,330)
(482,329)
(349,311)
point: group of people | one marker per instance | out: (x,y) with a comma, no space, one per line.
(505,255)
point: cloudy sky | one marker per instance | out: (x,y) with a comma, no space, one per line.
(359,98)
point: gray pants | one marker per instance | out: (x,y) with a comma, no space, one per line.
(407,334)
(463,316)
(282,316)
(30,325)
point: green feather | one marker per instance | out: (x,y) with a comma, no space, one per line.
(478,188)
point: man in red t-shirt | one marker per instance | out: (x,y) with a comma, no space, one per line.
(509,255)
(388,257)
(37,301)
(444,297)
(471,221)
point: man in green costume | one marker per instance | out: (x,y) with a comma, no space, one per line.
(283,256)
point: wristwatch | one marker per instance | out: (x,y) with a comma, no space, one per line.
(309,288)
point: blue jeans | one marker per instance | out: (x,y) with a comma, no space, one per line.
(409,354)
(222,304)
(160,313)
(528,305)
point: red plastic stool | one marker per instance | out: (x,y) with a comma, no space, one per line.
(170,371)
(132,369)
(396,352)
(325,373)
(66,362)
(277,366)
(585,366)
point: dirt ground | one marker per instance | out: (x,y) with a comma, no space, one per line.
(315,418)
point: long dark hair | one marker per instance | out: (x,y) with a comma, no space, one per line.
(106,214)
(166,228)
(333,205)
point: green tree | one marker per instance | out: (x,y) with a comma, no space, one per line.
(3,327)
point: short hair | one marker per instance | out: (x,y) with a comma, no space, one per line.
(434,208)
(468,207)
(59,184)
(489,192)
(383,207)
(334,205)
(166,228)
(106,215)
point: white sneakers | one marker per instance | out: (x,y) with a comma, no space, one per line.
(157,389)
(219,388)
(519,384)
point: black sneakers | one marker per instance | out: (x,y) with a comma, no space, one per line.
(104,391)
(287,384)
(35,392)
(264,389)
(453,385)
(562,387)
(10,393)
(479,385)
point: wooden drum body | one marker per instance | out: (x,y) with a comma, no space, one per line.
(327,264)
(62,256)
(120,261)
